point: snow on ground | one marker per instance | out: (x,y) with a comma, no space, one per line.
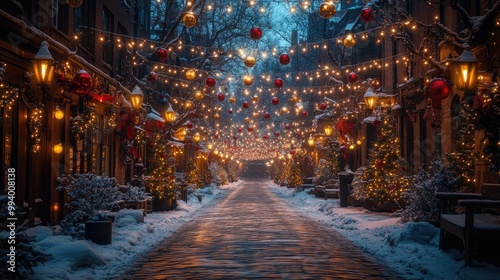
(81,259)
(411,249)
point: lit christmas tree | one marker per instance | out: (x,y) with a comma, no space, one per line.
(294,180)
(191,172)
(385,169)
(462,160)
(162,168)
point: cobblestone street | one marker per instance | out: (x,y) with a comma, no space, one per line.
(252,234)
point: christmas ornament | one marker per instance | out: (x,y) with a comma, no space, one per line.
(245,104)
(304,113)
(250,129)
(265,136)
(277,133)
(284,59)
(275,101)
(220,96)
(152,77)
(438,89)
(249,61)
(240,129)
(353,78)
(255,33)
(267,115)
(322,106)
(255,98)
(216,116)
(327,9)
(234,137)
(198,95)
(278,83)
(247,119)
(366,14)
(189,19)
(230,110)
(287,126)
(162,54)
(210,82)
(82,82)
(189,124)
(232,99)
(190,74)
(380,163)
(294,99)
(349,41)
(247,80)
(74,3)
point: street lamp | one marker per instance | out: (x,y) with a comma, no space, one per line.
(328,130)
(370,98)
(310,141)
(136,97)
(170,114)
(42,65)
(465,70)
(196,137)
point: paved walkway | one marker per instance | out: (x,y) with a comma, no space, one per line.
(253,234)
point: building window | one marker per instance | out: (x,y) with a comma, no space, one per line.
(122,68)
(60,15)
(81,20)
(108,27)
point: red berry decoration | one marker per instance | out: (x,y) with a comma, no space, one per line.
(267,115)
(82,82)
(162,54)
(245,104)
(438,89)
(284,59)
(255,33)
(322,106)
(230,110)
(152,77)
(287,126)
(304,113)
(275,101)
(278,83)
(353,78)
(210,82)
(366,14)
(189,125)
(221,97)
(277,133)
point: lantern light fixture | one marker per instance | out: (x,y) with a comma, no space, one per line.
(58,148)
(328,130)
(58,113)
(196,137)
(136,98)
(370,98)
(42,65)
(466,70)
(310,141)
(170,114)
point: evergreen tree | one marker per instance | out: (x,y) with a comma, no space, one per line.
(192,173)
(295,178)
(162,167)
(385,169)
(462,160)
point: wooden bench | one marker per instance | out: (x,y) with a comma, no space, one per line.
(329,189)
(474,225)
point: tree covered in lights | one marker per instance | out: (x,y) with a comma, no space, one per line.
(282,173)
(161,167)
(333,162)
(192,173)
(489,120)
(385,170)
(294,179)
(464,157)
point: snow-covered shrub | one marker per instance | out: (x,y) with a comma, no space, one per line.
(323,171)
(218,173)
(358,185)
(134,193)
(89,195)
(26,256)
(421,203)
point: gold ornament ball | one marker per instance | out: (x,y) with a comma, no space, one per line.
(189,19)
(198,95)
(190,74)
(250,61)
(247,119)
(255,98)
(58,148)
(349,41)
(247,80)
(232,99)
(327,9)
(294,99)
(216,116)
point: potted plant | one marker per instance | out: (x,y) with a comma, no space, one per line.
(90,196)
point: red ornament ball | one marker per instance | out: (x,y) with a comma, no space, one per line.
(322,106)
(210,82)
(278,83)
(265,136)
(189,125)
(267,115)
(234,137)
(221,97)
(216,136)
(250,129)
(245,104)
(82,82)
(366,14)
(255,33)
(353,78)
(152,77)
(230,110)
(275,101)
(284,59)
(380,163)
(162,54)
(304,113)
(439,89)
(287,126)
(240,129)
(277,133)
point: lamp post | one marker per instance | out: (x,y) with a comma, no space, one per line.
(42,65)
(170,114)
(465,74)
(136,98)
(370,98)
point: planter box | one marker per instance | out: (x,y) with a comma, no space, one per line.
(164,204)
(99,232)
(137,204)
